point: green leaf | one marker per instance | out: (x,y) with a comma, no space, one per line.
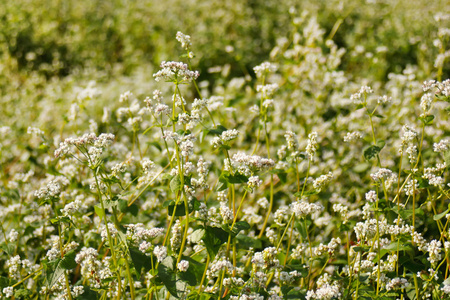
(99,211)
(68,262)
(4,282)
(180,209)
(226,178)
(167,273)
(371,152)
(300,268)
(411,265)
(123,207)
(140,260)
(379,116)
(441,215)
(245,242)
(310,193)
(394,246)
(427,120)
(196,269)
(22,293)
(175,184)
(443,98)
(53,272)
(8,248)
(156,145)
(361,249)
(214,238)
(217,131)
(197,235)
(447,158)
(238,226)
(108,203)
(381,144)
(362,167)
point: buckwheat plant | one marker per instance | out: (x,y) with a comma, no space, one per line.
(321,173)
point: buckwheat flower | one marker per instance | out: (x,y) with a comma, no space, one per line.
(77,290)
(144,247)
(362,93)
(125,97)
(183,118)
(71,208)
(86,254)
(382,173)
(291,140)
(184,39)
(267,103)
(13,235)
(147,165)
(384,99)
(265,67)
(397,283)
(302,208)
(312,145)
(226,213)
(434,249)
(175,71)
(409,135)
(183,266)
(118,168)
(444,86)
(8,291)
(73,112)
(322,181)
(104,140)
(34,131)
(442,146)
(4,130)
(254,182)
(267,90)
(325,292)
(350,136)
(446,289)
(160,252)
(112,231)
(412,153)
(229,135)
(428,85)
(215,102)
(13,264)
(371,196)
(433,179)
(282,213)
(52,190)
(425,103)
(175,241)
(252,162)
(162,109)
(343,210)
(263,202)
(187,148)
(254,109)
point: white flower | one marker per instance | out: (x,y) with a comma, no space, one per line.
(183,265)
(175,71)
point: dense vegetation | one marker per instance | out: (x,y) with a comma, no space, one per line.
(224,149)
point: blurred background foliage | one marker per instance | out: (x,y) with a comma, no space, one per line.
(59,37)
(50,47)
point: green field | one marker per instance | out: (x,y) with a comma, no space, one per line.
(224,149)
